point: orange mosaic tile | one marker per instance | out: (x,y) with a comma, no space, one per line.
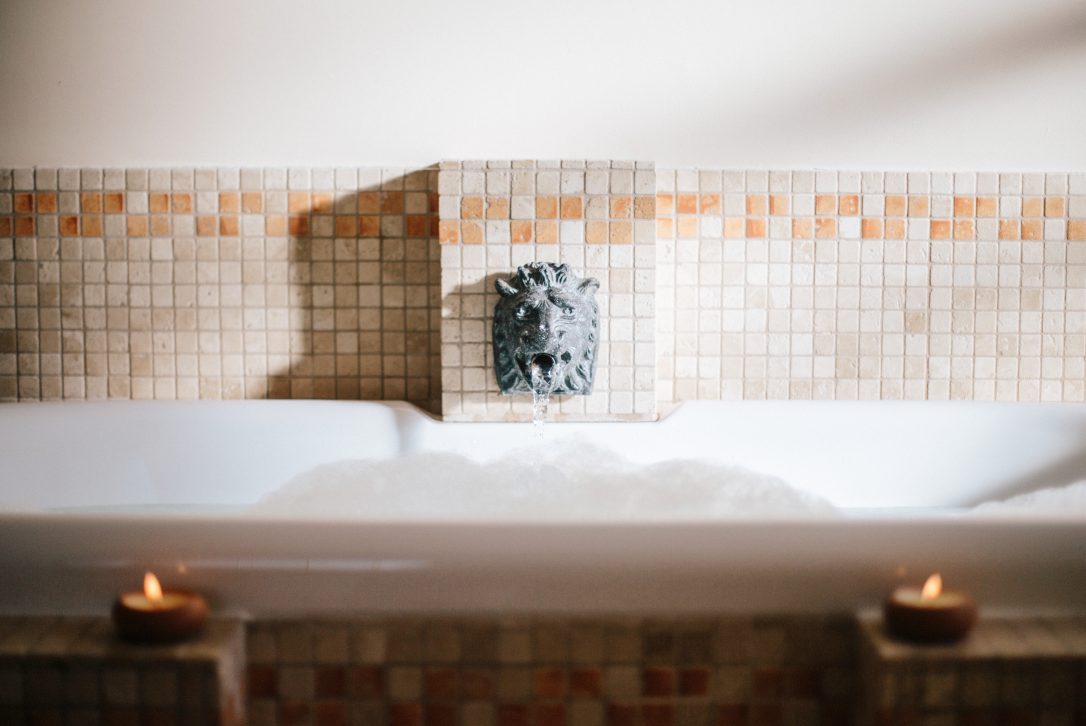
(1009,229)
(621,207)
(91,226)
(69,226)
(709,203)
(1055,207)
(1076,230)
(848,205)
(1032,206)
(871,228)
(207,225)
(298,202)
(497,207)
(346,226)
(918,205)
(471,233)
(665,227)
(665,204)
(778,205)
(1033,229)
(687,227)
(546,232)
(621,233)
(230,203)
(825,204)
(448,232)
(391,202)
(368,203)
(755,227)
(825,228)
(228,226)
(734,227)
(520,231)
(297,225)
(138,226)
(416,225)
(251,202)
(940,229)
(894,229)
(90,202)
(595,232)
(369,225)
(471,208)
(545,207)
(571,208)
(964,206)
(687,204)
(987,206)
(275,225)
(963,229)
(159,203)
(113,203)
(757,204)
(894,206)
(644,207)
(24,203)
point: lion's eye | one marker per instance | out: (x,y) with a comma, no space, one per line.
(521,312)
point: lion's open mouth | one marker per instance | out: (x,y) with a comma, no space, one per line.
(540,370)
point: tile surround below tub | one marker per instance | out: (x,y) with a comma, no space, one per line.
(551,671)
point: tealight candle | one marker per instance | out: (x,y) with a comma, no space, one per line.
(159,616)
(929,614)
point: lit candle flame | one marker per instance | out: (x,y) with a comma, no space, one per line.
(932,587)
(152,589)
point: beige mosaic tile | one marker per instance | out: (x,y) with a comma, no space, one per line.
(872,285)
(219,283)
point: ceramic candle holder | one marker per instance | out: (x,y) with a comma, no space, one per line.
(159,616)
(929,614)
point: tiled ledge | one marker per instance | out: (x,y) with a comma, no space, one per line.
(74,670)
(1028,670)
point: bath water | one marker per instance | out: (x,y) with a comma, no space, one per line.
(562,480)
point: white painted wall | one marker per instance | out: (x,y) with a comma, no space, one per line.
(962,84)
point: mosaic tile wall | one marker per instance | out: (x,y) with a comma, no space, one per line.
(844,285)
(71,670)
(1029,671)
(597,216)
(328,283)
(712,671)
(219,283)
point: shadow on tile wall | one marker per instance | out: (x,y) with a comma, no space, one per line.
(219,283)
(363,294)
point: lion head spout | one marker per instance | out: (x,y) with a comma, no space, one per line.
(546,331)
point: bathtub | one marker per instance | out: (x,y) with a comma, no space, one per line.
(93,494)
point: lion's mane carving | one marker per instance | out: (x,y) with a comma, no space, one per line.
(546,313)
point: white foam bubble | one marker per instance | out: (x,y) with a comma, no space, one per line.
(1067,501)
(563,480)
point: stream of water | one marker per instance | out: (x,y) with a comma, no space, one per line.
(541,397)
